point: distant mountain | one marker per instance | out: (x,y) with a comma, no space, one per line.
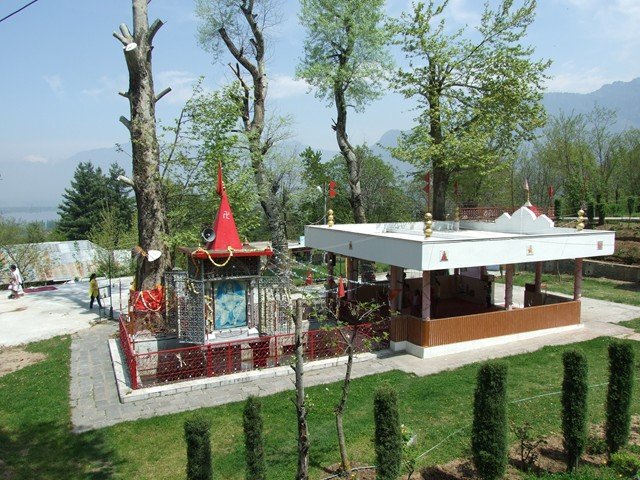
(623,97)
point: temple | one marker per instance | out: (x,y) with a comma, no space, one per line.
(449,305)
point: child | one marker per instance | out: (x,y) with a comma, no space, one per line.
(94,292)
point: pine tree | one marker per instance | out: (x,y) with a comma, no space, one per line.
(82,202)
(253,439)
(489,430)
(619,395)
(574,406)
(196,433)
(388,434)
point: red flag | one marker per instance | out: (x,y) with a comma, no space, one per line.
(427,179)
(550,191)
(220,185)
(340,288)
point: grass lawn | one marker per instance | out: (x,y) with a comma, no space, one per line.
(634,324)
(599,288)
(36,441)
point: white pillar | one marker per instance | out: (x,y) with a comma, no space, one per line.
(577,279)
(508,286)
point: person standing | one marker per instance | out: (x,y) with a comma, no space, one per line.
(15,283)
(94,291)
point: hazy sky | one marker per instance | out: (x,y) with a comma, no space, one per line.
(62,69)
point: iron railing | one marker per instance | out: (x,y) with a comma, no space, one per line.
(225,358)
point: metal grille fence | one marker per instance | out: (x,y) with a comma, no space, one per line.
(166,366)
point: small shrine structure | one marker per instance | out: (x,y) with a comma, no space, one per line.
(450,306)
(220,316)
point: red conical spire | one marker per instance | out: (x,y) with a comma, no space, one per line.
(224,225)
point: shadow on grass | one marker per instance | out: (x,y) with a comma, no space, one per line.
(630,287)
(48,450)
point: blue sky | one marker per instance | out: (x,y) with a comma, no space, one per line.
(62,69)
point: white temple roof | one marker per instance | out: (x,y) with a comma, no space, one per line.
(518,238)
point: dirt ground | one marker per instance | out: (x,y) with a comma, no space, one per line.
(15,358)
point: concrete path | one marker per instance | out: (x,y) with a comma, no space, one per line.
(95,403)
(46,314)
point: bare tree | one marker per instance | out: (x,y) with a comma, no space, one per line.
(152,223)
(300,401)
(239,25)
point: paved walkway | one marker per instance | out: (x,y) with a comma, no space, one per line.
(95,403)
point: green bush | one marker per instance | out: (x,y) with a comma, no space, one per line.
(196,433)
(388,434)
(631,205)
(253,439)
(625,464)
(618,418)
(574,406)
(595,445)
(557,207)
(489,430)
(591,213)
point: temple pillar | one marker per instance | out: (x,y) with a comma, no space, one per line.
(352,277)
(577,279)
(538,277)
(426,295)
(508,286)
(395,288)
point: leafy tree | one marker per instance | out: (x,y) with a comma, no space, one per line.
(145,151)
(489,429)
(618,418)
(574,406)
(253,439)
(478,94)
(82,202)
(239,27)
(198,438)
(346,61)
(203,135)
(112,234)
(388,434)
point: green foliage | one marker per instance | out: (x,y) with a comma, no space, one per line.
(388,435)
(574,406)
(253,439)
(527,446)
(631,204)
(489,430)
(621,372)
(345,49)
(200,137)
(626,464)
(557,206)
(197,436)
(591,212)
(17,247)
(89,194)
(595,445)
(478,93)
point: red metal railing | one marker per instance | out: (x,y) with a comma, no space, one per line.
(212,360)
(129,353)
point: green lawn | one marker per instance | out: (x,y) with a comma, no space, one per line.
(36,441)
(599,288)
(634,324)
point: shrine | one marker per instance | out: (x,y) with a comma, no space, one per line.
(449,305)
(220,316)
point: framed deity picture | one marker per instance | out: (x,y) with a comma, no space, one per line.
(230,305)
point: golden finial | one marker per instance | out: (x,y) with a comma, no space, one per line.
(427,225)
(580,225)
(330,218)
(456,214)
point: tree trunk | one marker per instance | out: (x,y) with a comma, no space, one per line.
(440,175)
(353,163)
(339,410)
(304,442)
(253,121)
(145,151)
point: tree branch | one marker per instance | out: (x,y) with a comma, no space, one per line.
(125,122)
(153,29)
(124,94)
(162,94)
(237,54)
